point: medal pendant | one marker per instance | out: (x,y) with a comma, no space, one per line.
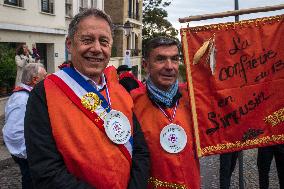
(91,101)
(117,127)
(173,138)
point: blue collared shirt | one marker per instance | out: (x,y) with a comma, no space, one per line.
(13,130)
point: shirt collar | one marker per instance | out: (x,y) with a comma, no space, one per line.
(99,87)
(27,87)
(177,96)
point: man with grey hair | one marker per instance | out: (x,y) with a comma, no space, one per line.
(13,130)
(80,129)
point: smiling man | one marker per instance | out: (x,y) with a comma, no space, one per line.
(80,129)
(163,110)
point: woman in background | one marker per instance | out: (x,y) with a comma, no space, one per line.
(22,58)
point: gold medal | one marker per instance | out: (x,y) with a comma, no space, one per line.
(91,101)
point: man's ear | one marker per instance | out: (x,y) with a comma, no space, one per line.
(34,81)
(68,43)
(145,65)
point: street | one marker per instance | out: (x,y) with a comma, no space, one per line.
(210,172)
(10,177)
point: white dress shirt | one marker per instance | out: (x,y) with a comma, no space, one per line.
(13,130)
(100,86)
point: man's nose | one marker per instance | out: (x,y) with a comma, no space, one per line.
(96,46)
(169,64)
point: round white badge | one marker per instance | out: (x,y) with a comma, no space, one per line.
(173,138)
(117,127)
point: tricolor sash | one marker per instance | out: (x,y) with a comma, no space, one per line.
(75,87)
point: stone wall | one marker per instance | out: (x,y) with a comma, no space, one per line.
(2,105)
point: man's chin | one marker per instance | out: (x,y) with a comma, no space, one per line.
(165,85)
(95,72)
(168,82)
(93,62)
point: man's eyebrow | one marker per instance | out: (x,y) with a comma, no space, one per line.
(85,35)
(104,37)
(161,56)
(164,56)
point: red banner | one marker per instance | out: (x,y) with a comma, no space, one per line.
(235,73)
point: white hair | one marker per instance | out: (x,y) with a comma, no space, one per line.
(30,71)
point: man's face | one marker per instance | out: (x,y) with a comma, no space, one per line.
(41,74)
(91,48)
(162,65)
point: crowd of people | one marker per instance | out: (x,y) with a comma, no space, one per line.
(91,126)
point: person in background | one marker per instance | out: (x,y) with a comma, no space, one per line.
(227,166)
(264,158)
(13,130)
(127,59)
(162,108)
(35,53)
(65,64)
(80,130)
(127,79)
(22,58)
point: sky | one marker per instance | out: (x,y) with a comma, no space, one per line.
(184,8)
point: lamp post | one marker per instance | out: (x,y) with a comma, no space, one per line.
(236,8)
(241,170)
(127,28)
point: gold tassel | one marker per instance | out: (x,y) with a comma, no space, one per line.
(200,52)
(211,59)
(209,46)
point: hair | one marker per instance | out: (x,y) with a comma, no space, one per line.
(20,49)
(30,71)
(159,41)
(73,26)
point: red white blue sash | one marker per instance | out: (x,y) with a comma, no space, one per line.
(75,87)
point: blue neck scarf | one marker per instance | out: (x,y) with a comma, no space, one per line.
(164,97)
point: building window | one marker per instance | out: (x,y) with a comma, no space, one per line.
(130,9)
(47,6)
(18,3)
(137,10)
(68,8)
(133,9)
(83,5)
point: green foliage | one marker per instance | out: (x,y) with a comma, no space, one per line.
(113,51)
(8,67)
(182,72)
(155,21)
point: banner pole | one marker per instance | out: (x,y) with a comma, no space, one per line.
(191,93)
(231,13)
(240,156)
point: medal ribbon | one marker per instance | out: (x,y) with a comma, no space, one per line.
(88,87)
(167,113)
(126,148)
(106,104)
